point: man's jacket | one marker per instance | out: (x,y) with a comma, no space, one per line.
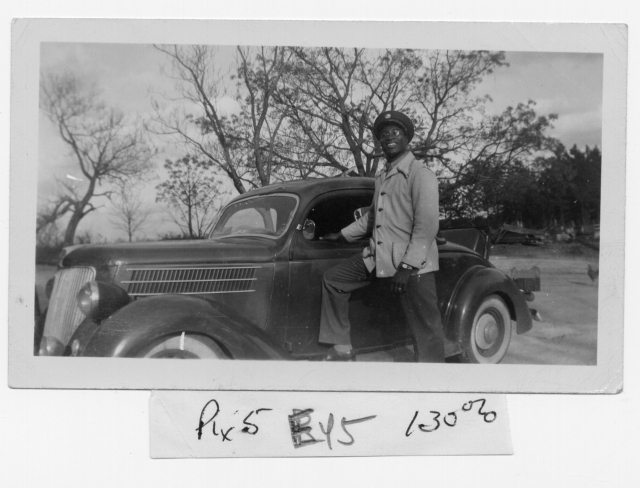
(402,221)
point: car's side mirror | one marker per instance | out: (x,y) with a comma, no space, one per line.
(309,229)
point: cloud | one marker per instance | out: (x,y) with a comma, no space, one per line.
(580,128)
(566,84)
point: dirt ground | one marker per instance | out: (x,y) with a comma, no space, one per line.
(568,305)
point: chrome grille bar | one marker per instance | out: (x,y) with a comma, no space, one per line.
(190,281)
(63,315)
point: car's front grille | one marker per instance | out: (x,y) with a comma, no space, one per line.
(190,281)
(63,315)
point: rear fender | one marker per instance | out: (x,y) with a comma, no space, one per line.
(476,285)
(144,321)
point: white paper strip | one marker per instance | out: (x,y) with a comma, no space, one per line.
(204,424)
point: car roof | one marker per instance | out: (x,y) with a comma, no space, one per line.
(310,188)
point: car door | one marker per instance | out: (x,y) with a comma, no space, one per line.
(310,257)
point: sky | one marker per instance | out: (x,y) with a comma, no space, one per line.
(567,84)
(130,76)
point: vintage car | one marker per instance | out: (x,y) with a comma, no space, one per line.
(252,290)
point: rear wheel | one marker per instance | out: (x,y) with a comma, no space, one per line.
(487,339)
(184,346)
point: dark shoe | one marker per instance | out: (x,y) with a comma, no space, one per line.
(334,355)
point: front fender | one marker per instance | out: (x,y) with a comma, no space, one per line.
(135,326)
(475,286)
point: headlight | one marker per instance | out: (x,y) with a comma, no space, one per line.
(98,300)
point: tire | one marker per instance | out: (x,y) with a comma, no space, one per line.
(487,339)
(184,346)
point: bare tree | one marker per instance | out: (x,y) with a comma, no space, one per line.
(193,194)
(49,236)
(309,112)
(444,93)
(258,126)
(501,145)
(241,146)
(308,151)
(107,147)
(331,97)
(50,212)
(129,211)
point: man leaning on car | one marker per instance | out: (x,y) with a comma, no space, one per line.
(402,224)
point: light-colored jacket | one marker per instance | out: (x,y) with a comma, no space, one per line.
(402,220)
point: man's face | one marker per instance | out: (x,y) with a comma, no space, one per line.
(393,140)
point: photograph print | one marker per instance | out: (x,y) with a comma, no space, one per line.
(318,204)
(333,206)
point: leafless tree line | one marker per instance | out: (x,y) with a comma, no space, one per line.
(309,111)
(300,113)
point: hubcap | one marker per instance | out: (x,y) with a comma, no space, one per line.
(487,331)
(491,332)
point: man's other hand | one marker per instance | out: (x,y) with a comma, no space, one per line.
(333,237)
(400,280)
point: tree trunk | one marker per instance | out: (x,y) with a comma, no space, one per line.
(190,220)
(70,233)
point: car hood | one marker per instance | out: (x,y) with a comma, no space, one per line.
(227,250)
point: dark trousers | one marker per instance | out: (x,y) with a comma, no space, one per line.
(419,303)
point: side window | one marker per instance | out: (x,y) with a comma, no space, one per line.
(334,213)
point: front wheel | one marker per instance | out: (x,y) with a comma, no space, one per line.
(487,339)
(184,346)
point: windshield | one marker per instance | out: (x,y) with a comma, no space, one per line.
(266,216)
